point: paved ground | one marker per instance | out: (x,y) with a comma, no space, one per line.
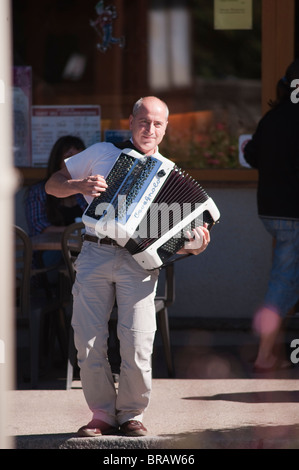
(214,401)
(183,414)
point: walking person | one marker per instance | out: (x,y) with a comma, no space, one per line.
(274,151)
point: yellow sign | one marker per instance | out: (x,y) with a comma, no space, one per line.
(233,14)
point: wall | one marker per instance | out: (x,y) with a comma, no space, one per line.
(229,279)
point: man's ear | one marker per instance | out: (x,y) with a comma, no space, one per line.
(130,122)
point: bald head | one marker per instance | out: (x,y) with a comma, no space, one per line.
(147,100)
(148,123)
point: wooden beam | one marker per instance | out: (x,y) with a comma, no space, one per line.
(278,32)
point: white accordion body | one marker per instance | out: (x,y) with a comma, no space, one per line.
(148,207)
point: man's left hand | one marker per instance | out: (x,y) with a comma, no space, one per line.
(198,241)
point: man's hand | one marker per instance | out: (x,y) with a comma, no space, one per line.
(61,184)
(93,185)
(198,241)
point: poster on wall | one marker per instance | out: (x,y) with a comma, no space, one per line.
(117,135)
(22,99)
(233,14)
(243,139)
(51,122)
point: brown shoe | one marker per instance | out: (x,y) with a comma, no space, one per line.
(96,428)
(133,428)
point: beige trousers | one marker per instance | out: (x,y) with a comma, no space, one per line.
(106,273)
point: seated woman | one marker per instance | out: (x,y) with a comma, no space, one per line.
(45,213)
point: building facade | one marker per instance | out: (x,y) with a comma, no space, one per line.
(217,83)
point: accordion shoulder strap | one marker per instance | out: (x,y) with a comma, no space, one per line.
(126,144)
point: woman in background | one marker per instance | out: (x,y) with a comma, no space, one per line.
(45,213)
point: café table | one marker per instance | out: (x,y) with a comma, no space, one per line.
(46,241)
(51,241)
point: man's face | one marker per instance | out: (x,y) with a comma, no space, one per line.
(149,125)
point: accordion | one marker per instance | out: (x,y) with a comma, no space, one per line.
(148,206)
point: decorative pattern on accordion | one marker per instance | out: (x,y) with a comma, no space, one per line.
(126,177)
(148,206)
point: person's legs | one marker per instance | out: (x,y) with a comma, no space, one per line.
(283,288)
(99,270)
(94,296)
(267,324)
(135,292)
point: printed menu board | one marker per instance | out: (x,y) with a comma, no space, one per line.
(51,122)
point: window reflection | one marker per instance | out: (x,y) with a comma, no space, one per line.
(169,48)
(210,79)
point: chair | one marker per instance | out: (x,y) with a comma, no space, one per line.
(71,246)
(162,302)
(31,310)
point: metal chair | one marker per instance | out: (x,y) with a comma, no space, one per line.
(71,246)
(162,302)
(31,309)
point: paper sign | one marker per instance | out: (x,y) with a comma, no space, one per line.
(232,14)
(243,139)
(22,98)
(51,122)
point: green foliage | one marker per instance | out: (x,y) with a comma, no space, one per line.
(217,149)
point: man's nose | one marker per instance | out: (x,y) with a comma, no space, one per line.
(150,127)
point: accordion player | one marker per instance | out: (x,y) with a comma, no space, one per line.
(148,207)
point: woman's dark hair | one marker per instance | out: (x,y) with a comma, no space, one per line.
(59,149)
(57,155)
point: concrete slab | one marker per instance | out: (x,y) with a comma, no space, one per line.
(183,414)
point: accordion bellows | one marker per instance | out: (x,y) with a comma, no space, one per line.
(148,207)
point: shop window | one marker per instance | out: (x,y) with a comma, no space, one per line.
(211,79)
(222,71)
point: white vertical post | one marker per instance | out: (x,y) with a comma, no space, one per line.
(7,189)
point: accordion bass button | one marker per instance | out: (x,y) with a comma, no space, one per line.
(161,173)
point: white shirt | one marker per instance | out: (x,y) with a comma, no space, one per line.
(98,159)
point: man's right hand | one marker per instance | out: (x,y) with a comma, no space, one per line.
(93,185)
(61,184)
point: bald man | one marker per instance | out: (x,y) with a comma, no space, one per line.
(106,272)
